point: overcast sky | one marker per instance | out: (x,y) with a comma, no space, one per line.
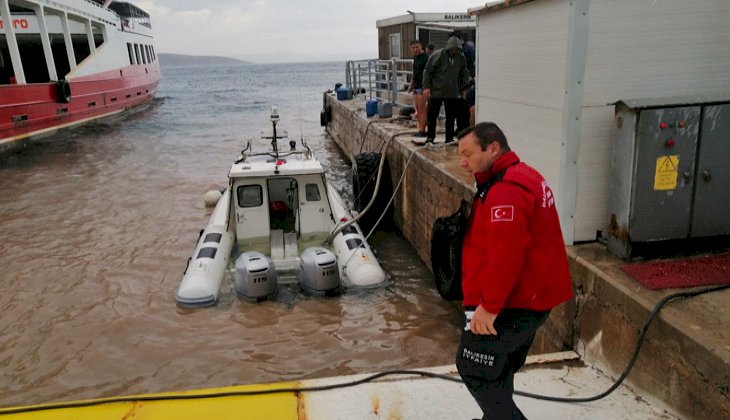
(266,31)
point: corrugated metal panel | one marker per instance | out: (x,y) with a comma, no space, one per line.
(522,53)
(533,132)
(521,81)
(657,48)
(594,170)
(496,5)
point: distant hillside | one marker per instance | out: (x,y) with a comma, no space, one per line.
(180,60)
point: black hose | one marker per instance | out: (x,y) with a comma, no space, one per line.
(632,361)
(635,355)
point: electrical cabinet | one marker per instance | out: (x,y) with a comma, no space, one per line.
(670,177)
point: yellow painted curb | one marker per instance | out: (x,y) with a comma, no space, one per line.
(214,403)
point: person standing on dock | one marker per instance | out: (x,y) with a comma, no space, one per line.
(445,79)
(416,87)
(514,268)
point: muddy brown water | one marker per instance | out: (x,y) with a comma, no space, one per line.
(96,226)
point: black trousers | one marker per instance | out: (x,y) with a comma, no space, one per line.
(455,109)
(487,363)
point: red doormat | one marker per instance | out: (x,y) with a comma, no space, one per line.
(688,272)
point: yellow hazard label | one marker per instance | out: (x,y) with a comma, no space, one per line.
(667,170)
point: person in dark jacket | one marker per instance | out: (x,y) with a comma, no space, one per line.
(514,268)
(445,79)
(469,50)
(416,87)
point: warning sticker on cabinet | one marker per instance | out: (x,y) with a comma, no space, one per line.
(667,170)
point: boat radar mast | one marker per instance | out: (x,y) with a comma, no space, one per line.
(274,135)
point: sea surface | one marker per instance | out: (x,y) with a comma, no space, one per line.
(96,226)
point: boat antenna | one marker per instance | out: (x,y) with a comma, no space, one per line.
(301,130)
(274,120)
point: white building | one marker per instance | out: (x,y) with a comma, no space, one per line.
(549,72)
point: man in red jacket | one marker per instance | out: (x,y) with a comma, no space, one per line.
(514,268)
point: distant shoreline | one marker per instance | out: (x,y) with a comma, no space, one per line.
(180,60)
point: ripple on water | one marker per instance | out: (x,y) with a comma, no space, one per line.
(96,225)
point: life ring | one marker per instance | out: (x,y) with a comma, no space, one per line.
(446,239)
(63,91)
(364,177)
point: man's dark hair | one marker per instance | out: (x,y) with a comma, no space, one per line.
(457,34)
(486,133)
(417,41)
(430,47)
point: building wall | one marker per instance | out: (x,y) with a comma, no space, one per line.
(521,65)
(407,33)
(642,49)
(636,49)
(646,49)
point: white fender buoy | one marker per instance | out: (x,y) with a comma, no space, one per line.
(211,198)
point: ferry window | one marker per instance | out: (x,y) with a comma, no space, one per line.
(81,47)
(141,50)
(394,45)
(250,196)
(312,191)
(131,53)
(136,54)
(98,33)
(147,51)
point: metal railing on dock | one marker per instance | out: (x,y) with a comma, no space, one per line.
(386,80)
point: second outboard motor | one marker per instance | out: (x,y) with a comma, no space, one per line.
(255,276)
(318,272)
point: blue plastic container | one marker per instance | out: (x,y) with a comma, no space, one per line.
(371,107)
(344,93)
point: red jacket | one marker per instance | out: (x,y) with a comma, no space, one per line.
(513,252)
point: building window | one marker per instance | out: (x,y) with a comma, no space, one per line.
(395,46)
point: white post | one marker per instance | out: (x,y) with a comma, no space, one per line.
(12,42)
(50,63)
(90,36)
(67,40)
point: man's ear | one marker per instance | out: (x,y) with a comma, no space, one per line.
(494,148)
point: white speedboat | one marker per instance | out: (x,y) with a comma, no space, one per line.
(281,221)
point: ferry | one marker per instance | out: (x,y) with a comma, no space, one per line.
(283,223)
(67,63)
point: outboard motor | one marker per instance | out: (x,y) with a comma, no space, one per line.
(318,272)
(255,276)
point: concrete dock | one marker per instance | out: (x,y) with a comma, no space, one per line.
(685,360)
(392,397)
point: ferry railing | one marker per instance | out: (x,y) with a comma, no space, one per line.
(386,80)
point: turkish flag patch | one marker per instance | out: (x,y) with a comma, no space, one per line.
(503,213)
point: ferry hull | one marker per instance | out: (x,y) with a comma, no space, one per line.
(33,110)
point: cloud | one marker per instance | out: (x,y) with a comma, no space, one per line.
(279,30)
